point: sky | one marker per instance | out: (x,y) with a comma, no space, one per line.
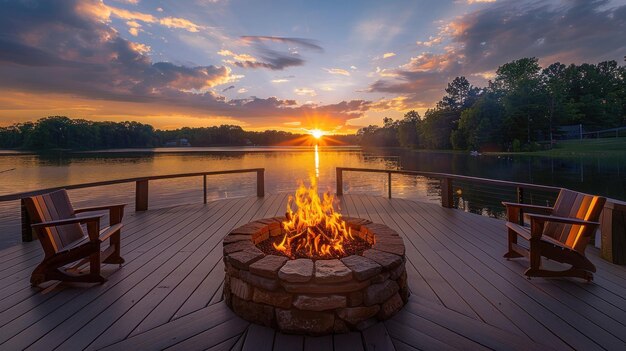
(288,65)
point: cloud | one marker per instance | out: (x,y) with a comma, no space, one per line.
(353,67)
(578,30)
(338,71)
(105,12)
(302,42)
(238,57)
(389,54)
(181,23)
(305,92)
(432,40)
(271,58)
(479,1)
(280,80)
(228,88)
(68,49)
(242,90)
(480,41)
(133,28)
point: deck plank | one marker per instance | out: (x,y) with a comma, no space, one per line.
(259,338)
(168,294)
(316,343)
(548,295)
(349,341)
(195,291)
(48,320)
(466,264)
(150,256)
(207,240)
(288,342)
(376,338)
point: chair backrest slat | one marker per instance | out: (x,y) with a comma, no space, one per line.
(572,204)
(50,215)
(50,207)
(562,208)
(38,212)
(71,232)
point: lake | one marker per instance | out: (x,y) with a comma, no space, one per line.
(286,165)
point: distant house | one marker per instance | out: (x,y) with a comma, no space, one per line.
(180,142)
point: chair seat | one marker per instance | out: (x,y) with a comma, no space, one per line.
(75,244)
(524,232)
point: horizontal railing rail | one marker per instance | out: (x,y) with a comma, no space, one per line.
(446,179)
(141,190)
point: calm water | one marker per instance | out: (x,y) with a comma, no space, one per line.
(285,166)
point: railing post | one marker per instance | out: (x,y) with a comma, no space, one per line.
(520,199)
(389,185)
(141,195)
(27,231)
(204,186)
(447,199)
(260,183)
(339,180)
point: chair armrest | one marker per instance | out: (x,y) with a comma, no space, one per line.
(542,218)
(108,231)
(527,207)
(98,208)
(59,222)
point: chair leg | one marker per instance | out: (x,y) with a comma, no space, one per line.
(512,240)
(38,276)
(94,268)
(115,257)
(534,257)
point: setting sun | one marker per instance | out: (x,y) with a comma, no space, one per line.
(316,133)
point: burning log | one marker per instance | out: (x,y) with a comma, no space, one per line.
(314,229)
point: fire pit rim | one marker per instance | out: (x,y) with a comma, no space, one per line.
(302,283)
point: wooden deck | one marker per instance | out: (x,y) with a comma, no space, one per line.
(168,294)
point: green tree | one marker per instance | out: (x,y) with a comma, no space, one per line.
(480,126)
(523,98)
(407,130)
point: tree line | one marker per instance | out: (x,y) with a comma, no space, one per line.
(520,109)
(59,132)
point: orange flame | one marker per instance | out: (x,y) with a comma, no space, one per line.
(314,229)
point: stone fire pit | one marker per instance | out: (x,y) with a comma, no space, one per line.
(314,297)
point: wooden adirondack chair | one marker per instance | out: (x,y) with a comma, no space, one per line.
(560,233)
(64,241)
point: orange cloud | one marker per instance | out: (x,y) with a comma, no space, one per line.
(338,71)
(305,92)
(180,23)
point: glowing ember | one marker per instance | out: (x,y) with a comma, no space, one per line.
(315,229)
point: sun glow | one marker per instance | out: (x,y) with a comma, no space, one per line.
(316,133)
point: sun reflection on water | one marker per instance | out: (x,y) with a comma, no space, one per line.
(317,163)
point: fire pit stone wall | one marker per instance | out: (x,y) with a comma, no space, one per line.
(314,297)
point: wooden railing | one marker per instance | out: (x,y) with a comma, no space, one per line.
(141,190)
(446,180)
